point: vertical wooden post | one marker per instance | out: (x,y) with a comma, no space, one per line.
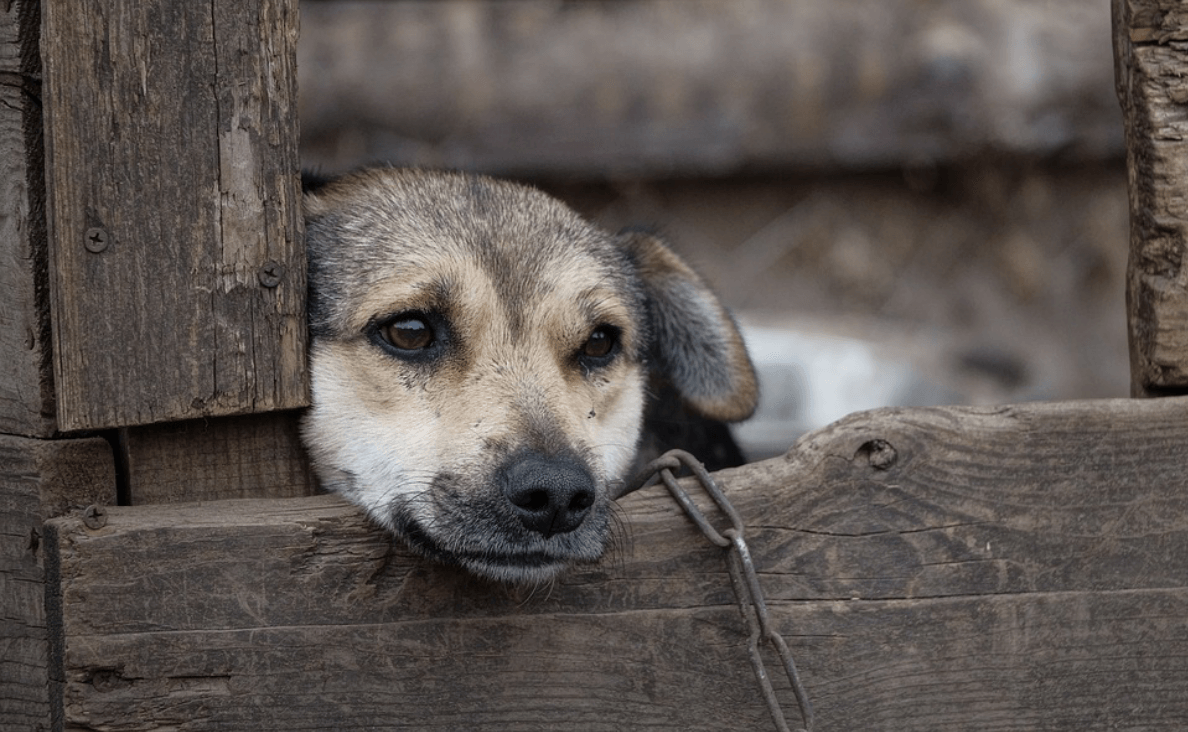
(26,388)
(39,479)
(178,267)
(1151,75)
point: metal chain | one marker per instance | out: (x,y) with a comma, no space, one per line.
(742,575)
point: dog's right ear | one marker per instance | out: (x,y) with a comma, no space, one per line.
(696,345)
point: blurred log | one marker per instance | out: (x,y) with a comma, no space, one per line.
(649,87)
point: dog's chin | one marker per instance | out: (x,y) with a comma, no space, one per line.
(516,570)
(513,565)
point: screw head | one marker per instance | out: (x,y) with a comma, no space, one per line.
(96,239)
(94,517)
(270,274)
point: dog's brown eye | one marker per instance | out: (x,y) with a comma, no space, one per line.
(408,334)
(601,343)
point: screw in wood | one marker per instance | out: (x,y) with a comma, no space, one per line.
(94,516)
(96,240)
(270,274)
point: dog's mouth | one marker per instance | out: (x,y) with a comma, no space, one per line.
(498,559)
(532,516)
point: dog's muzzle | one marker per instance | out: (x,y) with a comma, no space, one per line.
(549,495)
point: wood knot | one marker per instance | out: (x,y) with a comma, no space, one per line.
(879,454)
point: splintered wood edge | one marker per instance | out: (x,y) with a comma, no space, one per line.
(1150,60)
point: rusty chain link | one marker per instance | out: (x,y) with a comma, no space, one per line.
(743,577)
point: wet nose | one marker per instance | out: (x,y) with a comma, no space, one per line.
(549,495)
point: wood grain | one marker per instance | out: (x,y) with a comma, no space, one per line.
(1072,661)
(38,479)
(253,456)
(1151,54)
(171,129)
(26,386)
(1010,568)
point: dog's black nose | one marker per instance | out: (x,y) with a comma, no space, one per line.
(549,495)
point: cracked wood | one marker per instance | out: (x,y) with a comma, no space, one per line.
(26,391)
(1151,61)
(172,132)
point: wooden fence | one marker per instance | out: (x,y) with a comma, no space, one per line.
(166,564)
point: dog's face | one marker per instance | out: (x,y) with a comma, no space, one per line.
(480,357)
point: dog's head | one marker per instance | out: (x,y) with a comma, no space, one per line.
(480,359)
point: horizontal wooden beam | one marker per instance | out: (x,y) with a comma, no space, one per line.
(1013,662)
(252,456)
(1010,567)
(657,88)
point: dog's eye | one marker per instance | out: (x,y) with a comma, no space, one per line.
(407,333)
(600,346)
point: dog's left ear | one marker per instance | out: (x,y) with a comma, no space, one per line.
(696,345)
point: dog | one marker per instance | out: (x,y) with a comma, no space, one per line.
(481,357)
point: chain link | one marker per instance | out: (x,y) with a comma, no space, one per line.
(743,577)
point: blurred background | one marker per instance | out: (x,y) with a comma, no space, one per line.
(905,202)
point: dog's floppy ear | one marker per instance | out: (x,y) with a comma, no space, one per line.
(696,346)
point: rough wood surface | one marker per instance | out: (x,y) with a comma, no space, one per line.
(661,88)
(26,387)
(171,136)
(1151,57)
(1014,568)
(38,479)
(253,456)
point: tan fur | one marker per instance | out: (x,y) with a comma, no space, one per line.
(661,269)
(434,442)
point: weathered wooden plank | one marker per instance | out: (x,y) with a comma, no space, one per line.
(178,276)
(38,479)
(26,387)
(1151,57)
(950,568)
(253,456)
(1071,661)
(660,88)
(1067,661)
(1037,498)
